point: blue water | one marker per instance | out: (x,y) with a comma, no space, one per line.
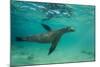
(26,19)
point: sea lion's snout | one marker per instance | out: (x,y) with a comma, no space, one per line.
(70,29)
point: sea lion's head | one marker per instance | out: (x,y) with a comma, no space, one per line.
(67,29)
(70,29)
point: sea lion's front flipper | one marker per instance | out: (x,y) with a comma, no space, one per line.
(46,27)
(54,44)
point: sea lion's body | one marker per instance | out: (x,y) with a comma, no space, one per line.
(49,37)
(42,38)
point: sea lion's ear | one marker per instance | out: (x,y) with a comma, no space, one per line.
(46,27)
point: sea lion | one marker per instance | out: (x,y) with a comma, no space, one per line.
(49,37)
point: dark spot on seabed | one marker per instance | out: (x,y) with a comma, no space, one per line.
(14,66)
(88,52)
(23,53)
(30,57)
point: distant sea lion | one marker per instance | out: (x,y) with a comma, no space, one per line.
(49,37)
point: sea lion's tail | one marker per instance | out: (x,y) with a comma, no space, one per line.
(19,39)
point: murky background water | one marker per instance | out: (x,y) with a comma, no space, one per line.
(26,19)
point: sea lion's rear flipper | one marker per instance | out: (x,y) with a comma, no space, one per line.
(54,44)
(19,39)
(46,27)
